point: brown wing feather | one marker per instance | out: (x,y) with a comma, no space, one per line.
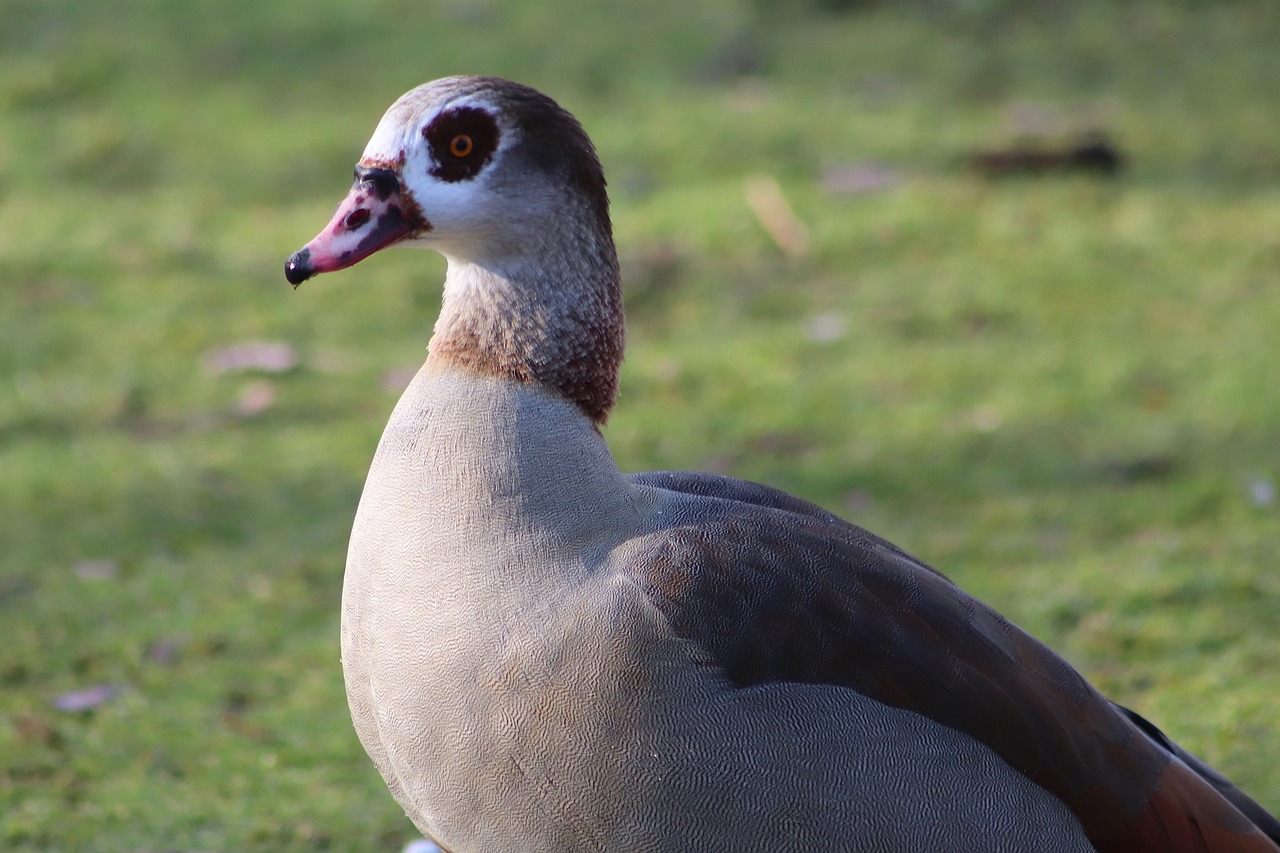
(777,589)
(1256,813)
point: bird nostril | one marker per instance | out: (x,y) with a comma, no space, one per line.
(357,218)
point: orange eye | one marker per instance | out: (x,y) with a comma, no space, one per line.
(461,145)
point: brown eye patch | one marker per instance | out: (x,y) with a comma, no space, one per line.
(462,141)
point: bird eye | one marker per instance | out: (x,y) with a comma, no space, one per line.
(461,141)
(461,145)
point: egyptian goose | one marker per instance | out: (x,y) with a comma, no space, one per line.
(543,653)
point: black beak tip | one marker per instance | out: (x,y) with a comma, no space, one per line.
(298,268)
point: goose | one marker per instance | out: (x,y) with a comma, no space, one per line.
(542,653)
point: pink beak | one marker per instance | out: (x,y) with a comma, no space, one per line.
(375,214)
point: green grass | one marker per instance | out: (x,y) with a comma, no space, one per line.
(1061,392)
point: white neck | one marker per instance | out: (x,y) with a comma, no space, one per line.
(488,461)
(546,312)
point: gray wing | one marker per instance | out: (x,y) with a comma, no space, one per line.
(776,589)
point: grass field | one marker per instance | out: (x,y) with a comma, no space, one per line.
(1062,391)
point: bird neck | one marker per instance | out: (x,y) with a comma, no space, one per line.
(549,315)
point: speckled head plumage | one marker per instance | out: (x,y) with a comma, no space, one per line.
(505,184)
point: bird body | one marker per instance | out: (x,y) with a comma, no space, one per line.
(508,631)
(544,653)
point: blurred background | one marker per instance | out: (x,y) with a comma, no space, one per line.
(994,278)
